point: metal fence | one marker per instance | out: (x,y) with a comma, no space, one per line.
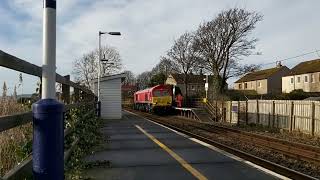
(303,116)
(82,97)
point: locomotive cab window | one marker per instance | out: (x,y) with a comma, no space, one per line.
(156,93)
(165,93)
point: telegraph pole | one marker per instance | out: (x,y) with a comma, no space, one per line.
(48,136)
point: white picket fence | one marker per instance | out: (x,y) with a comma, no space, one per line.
(303,116)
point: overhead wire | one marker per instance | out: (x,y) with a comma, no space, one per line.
(300,55)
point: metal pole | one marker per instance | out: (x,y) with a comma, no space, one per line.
(99,68)
(207,86)
(49,50)
(48,113)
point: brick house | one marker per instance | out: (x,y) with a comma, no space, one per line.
(267,81)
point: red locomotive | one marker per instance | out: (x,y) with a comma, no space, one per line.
(153,99)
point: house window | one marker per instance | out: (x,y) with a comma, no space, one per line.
(298,79)
(245,85)
(192,87)
(240,86)
(259,84)
(292,80)
(312,78)
(305,79)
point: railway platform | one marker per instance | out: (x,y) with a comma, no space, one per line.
(137,148)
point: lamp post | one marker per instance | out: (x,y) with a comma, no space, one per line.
(99,63)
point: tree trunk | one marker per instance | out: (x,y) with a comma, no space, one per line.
(218,86)
(186,87)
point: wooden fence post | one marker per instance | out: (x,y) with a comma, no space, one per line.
(312,118)
(238,120)
(76,92)
(246,112)
(230,110)
(258,115)
(66,91)
(273,113)
(291,116)
(223,111)
(269,119)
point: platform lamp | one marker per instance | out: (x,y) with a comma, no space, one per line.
(99,65)
(106,61)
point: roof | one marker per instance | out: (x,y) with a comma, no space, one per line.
(192,78)
(160,86)
(110,77)
(129,87)
(306,67)
(258,75)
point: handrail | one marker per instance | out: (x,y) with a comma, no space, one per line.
(20,171)
(17,64)
(11,121)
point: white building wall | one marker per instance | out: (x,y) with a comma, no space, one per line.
(299,82)
(110,95)
(287,86)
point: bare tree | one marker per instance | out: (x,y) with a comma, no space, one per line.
(143,79)
(165,66)
(130,78)
(86,68)
(184,56)
(224,41)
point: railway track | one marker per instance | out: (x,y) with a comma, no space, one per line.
(295,150)
(291,149)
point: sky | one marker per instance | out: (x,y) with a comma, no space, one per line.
(149,27)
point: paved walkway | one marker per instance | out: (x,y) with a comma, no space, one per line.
(139,149)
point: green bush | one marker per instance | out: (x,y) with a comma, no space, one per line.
(85,126)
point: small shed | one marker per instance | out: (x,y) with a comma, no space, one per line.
(110,95)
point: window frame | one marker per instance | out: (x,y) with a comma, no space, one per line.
(291,80)
(306,79)
(299,79)
(312,78)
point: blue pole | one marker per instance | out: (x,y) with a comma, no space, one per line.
(48,113)
(48,140)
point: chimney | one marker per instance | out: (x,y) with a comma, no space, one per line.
(278,64)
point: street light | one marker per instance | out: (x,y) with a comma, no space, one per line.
(99,68)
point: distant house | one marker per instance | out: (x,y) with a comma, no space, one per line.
(265,81)
(195,83)
(305,76)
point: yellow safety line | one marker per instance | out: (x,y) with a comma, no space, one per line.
(192,170)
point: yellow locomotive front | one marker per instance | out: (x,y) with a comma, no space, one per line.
(161,98)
